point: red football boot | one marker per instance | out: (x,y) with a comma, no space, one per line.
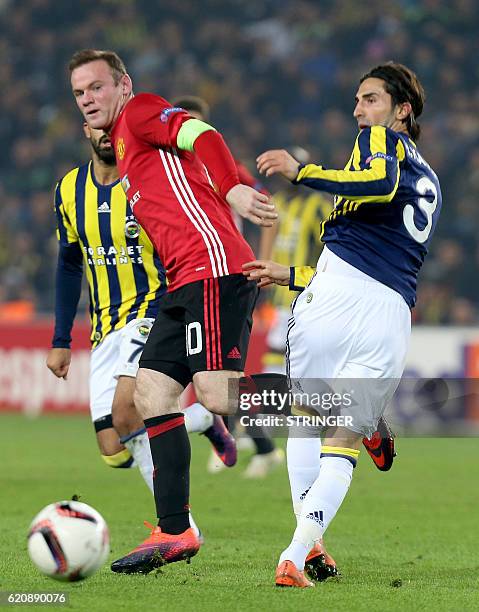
(319,564)
(157,550)
(380,446)
(288,575)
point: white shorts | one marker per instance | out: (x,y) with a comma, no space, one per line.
(351,332)
(118,355)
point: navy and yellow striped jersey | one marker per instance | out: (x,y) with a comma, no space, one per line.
(387,203)
(298,240)
(125,275)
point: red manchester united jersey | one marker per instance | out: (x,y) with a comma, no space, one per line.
(172,196)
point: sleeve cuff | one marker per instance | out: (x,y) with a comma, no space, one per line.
(292,280)
(228,184)
(60,343)
(295,181)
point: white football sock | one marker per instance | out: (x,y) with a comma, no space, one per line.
(303,456)
(197,418)
(194,526)
(319,507)
(296,552)
(139,446)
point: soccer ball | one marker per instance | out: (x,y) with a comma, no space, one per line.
(68,541)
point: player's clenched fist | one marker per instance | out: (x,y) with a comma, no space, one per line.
(278,161)
(58,361)
(266,272)
(252,205)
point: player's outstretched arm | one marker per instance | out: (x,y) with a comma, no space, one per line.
(252,205)
(278,161)
(58,361)
(379,151)
(266,272)
(208,144)
(213,152)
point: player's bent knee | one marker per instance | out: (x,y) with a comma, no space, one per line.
(107,438)
(217,407)
(125,418)
(215,403)
(214,391)
(122,459)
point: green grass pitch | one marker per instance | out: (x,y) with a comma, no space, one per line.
(404,540)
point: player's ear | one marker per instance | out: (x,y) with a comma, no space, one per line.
(403,111)
(86,130)
(126,85)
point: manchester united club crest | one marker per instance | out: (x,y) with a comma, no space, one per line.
(120,149)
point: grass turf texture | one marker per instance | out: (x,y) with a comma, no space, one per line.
(404,540)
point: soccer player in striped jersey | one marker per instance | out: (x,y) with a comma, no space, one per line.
(351,325)
(296,239)
(168,162)
(98,231)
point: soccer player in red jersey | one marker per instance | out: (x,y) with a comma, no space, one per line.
(266,456)
(168,162)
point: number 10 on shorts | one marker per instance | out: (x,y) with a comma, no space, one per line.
(194,338)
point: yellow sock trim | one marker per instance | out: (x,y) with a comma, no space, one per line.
(340,450)
(118,459)
(301,411)
(273,359)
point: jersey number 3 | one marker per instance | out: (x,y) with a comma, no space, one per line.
(423,185)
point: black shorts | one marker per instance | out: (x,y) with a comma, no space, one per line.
(204,325)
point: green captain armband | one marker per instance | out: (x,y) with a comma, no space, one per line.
(189,132)
(300,277)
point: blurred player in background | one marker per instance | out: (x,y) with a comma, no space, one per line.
(97,230)
(202,329)
(353,321)
(266,456)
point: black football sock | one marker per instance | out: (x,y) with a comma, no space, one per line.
(262,441)
(230,422)
(259,383)
(171,455)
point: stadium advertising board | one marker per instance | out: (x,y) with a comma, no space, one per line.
(27,386)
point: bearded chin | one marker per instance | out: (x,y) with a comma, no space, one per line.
(108,158)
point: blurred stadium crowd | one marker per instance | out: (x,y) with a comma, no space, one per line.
(276,73)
